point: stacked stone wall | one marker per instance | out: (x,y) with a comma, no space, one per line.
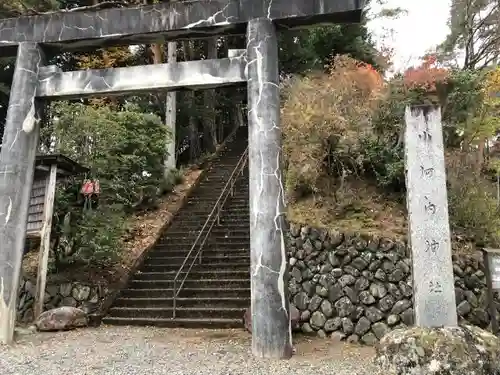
(86,296)
(360,288)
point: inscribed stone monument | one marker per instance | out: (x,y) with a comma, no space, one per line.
(429,229)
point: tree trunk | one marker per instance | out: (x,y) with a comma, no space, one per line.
(209,124)
(171,116)
(194,140)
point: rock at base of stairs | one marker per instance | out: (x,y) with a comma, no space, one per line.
(62,319)
(294,316)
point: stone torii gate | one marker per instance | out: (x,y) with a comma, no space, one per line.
(32,38)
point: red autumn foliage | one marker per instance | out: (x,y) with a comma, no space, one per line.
(426,76)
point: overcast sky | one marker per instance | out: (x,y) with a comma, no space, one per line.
(423,27)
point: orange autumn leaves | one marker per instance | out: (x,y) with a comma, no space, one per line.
(425,77)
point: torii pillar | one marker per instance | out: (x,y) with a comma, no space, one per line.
(271,330)
(17,161)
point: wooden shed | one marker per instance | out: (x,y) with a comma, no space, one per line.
(48,168)
(61,166)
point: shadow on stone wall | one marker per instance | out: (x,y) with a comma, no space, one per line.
(361,287)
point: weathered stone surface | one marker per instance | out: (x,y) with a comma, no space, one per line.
(301,300)
(81,292)
(408,317)
(374,314)
(131,25)
(335,293)
(194,74)
(333,324)
(327,308)
(344,307)
(400,306)
(444,351)
(17,165)
(380,329)
(363,326)
(307,329)
(369,339)
(318,319)
(366,298)
(361,284)
(347,326)
(61,318)
(378,290)
(427,202)
(464,308)
(392,320)
(295,318)
(386,303)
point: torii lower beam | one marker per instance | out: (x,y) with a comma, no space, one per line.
(200,74)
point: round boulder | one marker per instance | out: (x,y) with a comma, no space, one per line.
(62,319)
(440,351)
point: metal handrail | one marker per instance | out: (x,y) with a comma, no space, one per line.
(213,217)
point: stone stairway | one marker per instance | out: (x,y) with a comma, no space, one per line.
(217,291)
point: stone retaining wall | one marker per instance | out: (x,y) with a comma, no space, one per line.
(361,288)
(76,294)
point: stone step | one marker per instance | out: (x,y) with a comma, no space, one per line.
(217,231)
(192,283)
(212,266)
(209,274)
(182,228)
(230,200)
(175,323)
(181,313)
(208,257)
(212,241)
(240,238)
(230,231)
(186,292)
(194,224)
(215,236)
(210,247)
(183,302)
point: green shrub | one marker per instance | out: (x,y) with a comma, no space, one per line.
(125,151)
(384,162)
(472,202)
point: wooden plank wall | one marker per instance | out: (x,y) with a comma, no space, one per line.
(35,213)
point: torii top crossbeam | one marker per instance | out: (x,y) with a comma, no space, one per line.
(167,21)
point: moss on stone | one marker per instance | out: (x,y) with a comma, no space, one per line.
(463,350)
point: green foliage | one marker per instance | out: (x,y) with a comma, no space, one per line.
(125,151)
(175,177)
(311,49)
(472,203)
(16,8)
(384,162)
(388,118)
(97,234)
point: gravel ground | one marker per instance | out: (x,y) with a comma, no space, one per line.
(151,351)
